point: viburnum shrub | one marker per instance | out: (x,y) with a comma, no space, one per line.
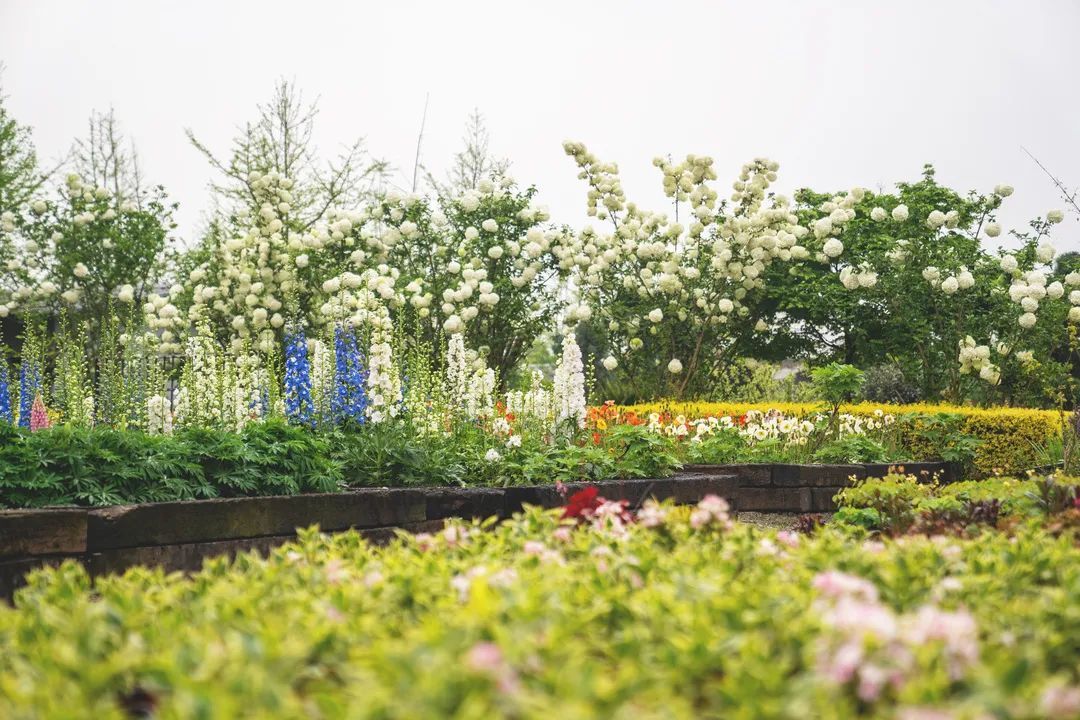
(483,264)
(674,297)
(82,250)
(667,612)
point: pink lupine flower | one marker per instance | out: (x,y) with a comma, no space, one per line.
(39,416)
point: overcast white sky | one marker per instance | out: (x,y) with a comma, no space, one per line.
(840,93)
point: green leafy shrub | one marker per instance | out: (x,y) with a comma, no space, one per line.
(854,449)
(901,502)
(532,618)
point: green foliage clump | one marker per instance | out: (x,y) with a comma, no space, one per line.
(71,465)
(900,502)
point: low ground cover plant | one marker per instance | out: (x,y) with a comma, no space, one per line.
(898,503)
(585,611)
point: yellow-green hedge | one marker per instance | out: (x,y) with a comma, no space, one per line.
(1012,438)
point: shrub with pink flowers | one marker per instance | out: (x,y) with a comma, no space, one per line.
(608,611)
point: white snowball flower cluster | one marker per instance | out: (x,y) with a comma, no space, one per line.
(246,284)
(863,276)
(974,357)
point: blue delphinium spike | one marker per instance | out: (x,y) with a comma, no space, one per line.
(29,387)
(5,393)
(349,398)
(299,407)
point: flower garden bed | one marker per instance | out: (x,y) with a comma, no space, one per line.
(180,535)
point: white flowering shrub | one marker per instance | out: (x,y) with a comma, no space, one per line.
(674,296)
(250,274)
(915,280)
(1031,348)
(483,264)
(82,249)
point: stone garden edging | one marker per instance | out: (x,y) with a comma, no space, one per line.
(180,535)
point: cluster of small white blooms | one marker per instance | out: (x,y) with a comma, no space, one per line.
(937,219)
(480,397)
(450,272)
(250,381)
(1028,289)
(457,367)
(863,276)
(201,394)
(698,270)
(470,384)
(383,380)
(322,375)
(255,270)
(164,320)
(840,210)
(537,403)
(759,426)
(569,384)
(159,416)
(949,284)
(974,357)
(358,299)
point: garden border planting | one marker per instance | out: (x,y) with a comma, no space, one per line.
(180,535)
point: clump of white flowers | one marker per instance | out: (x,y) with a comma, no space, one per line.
(383,378)
(974,357)
(470,384)
(569,389)
(245,285)
(697,276)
